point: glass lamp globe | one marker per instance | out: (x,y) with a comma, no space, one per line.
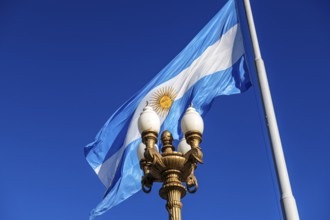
(140,151)
(141,148)
(184,147)
(149,120)
(192,121)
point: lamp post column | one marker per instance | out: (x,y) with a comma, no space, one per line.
(173,191)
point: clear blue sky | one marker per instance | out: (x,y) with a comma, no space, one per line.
(66,66)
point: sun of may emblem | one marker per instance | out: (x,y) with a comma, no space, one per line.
(162,100)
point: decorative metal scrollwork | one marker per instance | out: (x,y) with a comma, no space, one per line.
(147,182)
(192,185)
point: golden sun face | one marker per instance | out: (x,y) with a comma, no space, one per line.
(162,100)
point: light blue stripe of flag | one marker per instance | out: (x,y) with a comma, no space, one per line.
(115,161)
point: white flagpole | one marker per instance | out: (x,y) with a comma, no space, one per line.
(289,207)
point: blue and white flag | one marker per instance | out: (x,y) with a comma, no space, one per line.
(212,64)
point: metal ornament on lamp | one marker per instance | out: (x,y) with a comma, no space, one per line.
(170,167)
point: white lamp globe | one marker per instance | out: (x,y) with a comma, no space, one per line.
(156,148)
(148,120)
(192,121)
(141,148)
(184,147)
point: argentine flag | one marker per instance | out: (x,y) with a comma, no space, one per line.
(212,64)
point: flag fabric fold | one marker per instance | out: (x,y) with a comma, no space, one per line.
(212,64)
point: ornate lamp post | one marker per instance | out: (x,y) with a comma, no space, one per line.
(172,168)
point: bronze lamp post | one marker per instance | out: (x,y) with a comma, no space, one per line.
(172,168)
